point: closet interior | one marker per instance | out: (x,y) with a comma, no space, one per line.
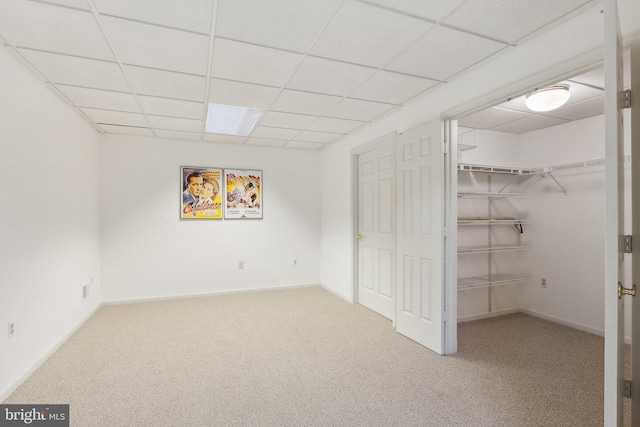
(530,207)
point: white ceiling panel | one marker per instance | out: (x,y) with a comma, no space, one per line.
(393,88)
(157,47)
(593,78)
(292,101)
(529,124)
(375,36)
(443,53)
(434,10)
(285,24)
(174,134)
(52,28)
(491,117)
(126,130)
(191,15)
(580,110)
(355,109)
(287,120)
(75,71)
(167,84)
(227,139)
(78,4)
(304,145)
(266,142)
(100,99)
(326,124)
(274,133)
(230,92)
(115,117)
(254,64)
(173,123)
(508,20)
(326,76)
(311,136)
(172,107)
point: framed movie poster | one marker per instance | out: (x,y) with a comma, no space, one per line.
(201,192)
(243,193)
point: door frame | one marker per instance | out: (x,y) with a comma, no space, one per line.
(355,153)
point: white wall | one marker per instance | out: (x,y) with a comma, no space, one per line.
(148,252)
(49,221)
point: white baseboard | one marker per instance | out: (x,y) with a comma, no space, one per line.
(471,317)
(339,295)
(7,392)
(569,323)
(208,294)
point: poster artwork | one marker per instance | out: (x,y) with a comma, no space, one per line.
(243,193)
(201,193)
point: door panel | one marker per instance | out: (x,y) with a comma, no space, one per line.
(419,247)
(376,228)
(614,256)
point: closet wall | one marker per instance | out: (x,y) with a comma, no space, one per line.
(566,231)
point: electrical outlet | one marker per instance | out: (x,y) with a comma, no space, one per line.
(241,265)
(11,329)
(295,261)
(85,289)
(543,283)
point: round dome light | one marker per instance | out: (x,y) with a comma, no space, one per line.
(548,98)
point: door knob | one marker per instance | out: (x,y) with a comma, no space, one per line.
(626,291)
(359,236)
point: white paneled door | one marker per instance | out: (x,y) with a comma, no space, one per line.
(376,227)
(420,237)
(615,292)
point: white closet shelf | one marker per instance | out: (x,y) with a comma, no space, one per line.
(470,167)
(495,280)
(488,195)
(491,221)
(491,249)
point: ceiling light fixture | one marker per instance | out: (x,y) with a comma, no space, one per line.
(548,98)
(231,120)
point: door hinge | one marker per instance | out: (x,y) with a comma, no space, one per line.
(626,98)
(627,389)
(628,244)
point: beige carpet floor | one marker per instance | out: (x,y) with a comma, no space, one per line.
(304,357)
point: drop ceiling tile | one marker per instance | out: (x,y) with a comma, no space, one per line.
(375,36)
(74,71)
(78,4)
(100,99)
(287,120)
(266,142)
(171,107)
(174,134)
(434,10)
(126,130)
(52,28)
(304,145)
(229,92)
(292,101)
(173,123)
(157,47)
(579,110)
(254,64)
(323,137)
(443,53)
(167,84)
(191,15)
(490,118)
(591,78)
(392,88)
(229,139)
(529,124)
(108,117)
(326,124)
(285,24)
(331,77)
(274,133)
(355,109)
(510,21)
